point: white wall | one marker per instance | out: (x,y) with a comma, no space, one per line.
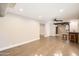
(42,29)
(47,29)
(74,25)
(15,30)
(50,29)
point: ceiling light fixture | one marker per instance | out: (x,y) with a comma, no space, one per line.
(40,16)
(61,10)
(21,9)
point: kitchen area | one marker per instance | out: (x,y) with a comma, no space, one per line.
(67,30)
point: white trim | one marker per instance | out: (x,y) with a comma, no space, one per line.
(15,45)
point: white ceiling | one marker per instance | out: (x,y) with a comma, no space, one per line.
(47,11)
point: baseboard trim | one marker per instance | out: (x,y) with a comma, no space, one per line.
(15,45)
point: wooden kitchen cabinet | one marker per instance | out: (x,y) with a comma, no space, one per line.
(73,36)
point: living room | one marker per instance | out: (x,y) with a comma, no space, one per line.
(39,29)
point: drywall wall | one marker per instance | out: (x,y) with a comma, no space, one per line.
(50,29)
(74,25)
(42,29)
(47,29)
(16,30)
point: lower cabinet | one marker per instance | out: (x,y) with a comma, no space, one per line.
(73,37)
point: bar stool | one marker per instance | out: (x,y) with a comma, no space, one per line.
(64,36)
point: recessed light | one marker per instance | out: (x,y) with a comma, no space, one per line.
(21,9)
(61,10)
(39,16)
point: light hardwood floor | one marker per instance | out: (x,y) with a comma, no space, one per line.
(51,46)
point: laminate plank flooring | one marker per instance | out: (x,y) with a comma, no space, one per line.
(51,46)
